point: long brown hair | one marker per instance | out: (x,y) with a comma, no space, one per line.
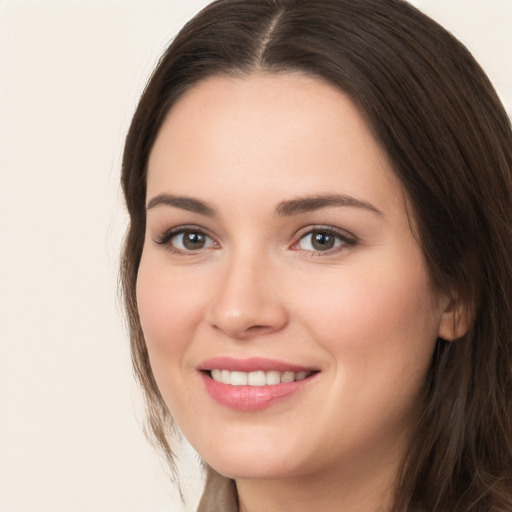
(449,140)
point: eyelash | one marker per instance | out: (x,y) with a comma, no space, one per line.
(342,238)
(166,238)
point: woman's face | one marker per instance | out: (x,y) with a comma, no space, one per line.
(287,310)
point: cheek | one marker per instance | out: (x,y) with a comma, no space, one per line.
(380,334)
(170,308)
(376,325)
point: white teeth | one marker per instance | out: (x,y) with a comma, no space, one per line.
(258,378)
(238,379)
(273,378)
(288,377)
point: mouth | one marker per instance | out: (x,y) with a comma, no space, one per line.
(258,377)
(253,384)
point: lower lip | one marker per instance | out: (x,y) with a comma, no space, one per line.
(251,398)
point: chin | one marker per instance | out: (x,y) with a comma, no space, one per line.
(254,462)
(252,470)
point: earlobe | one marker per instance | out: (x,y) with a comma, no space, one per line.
(455,321)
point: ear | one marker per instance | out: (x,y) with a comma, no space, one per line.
(455,320)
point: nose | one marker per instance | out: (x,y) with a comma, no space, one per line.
(248,300)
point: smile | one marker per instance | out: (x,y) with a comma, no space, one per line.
(253,384)
(257,378)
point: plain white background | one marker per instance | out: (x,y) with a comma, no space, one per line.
(70,75)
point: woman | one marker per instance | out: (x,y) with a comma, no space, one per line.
(317,271)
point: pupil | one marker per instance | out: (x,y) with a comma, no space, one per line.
(193,240)
(322,241)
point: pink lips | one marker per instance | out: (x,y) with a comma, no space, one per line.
(250,365)
(251,398)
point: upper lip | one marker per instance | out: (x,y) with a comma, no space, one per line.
(252,364)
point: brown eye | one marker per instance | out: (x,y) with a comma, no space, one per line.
(192,240)
(323,240)
(189,240)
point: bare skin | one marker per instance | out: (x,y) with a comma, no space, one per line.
(277,229)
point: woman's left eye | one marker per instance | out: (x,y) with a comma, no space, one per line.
(322,240)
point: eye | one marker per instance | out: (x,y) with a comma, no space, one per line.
(191,241)
(323,240)
(183,240)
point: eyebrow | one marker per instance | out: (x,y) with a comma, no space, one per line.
(317,202)
(284,209)
(185,203)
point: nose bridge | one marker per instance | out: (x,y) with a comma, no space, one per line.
(246,304)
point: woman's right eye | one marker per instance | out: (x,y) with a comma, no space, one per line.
(186,240)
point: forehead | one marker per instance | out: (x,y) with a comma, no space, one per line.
(263,130)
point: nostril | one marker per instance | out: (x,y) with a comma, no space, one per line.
(256,330)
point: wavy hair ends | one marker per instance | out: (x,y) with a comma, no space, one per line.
(449,140)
